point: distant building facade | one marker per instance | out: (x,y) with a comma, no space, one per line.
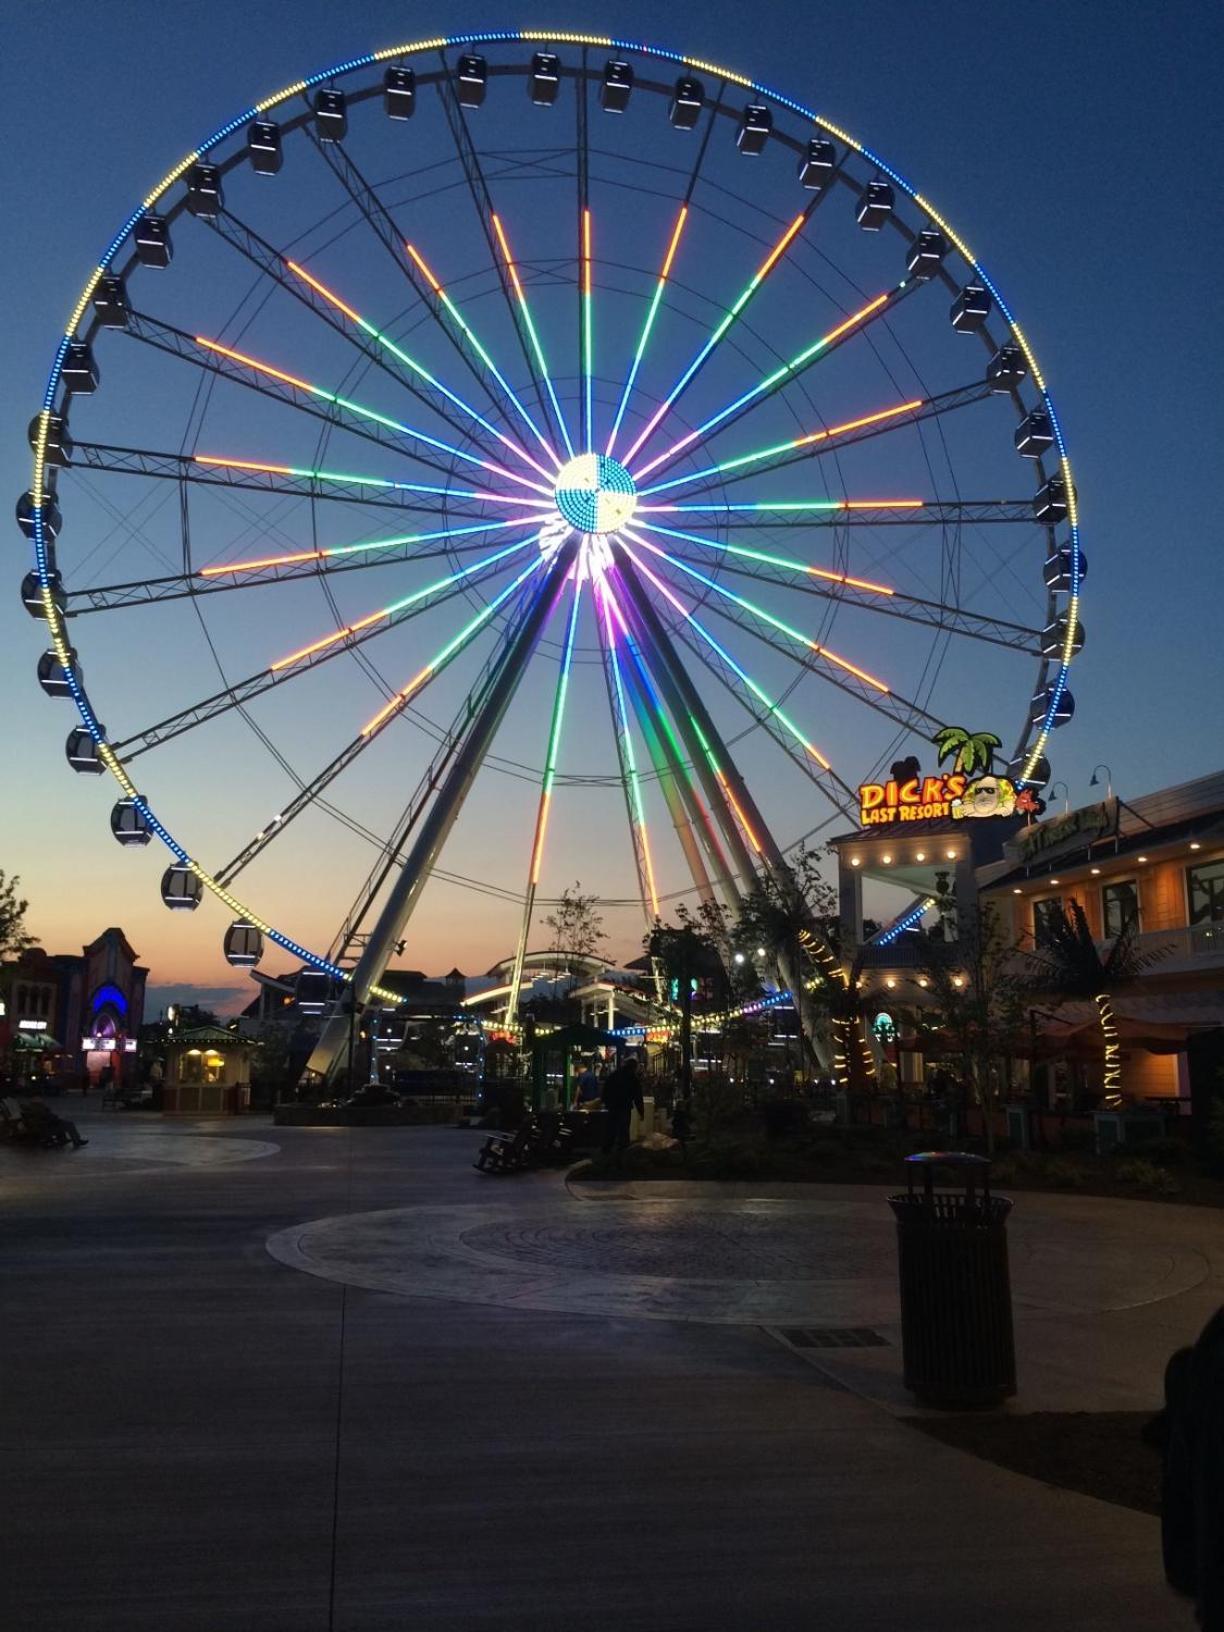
(84,1010)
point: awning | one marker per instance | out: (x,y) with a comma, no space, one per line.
(38,1042)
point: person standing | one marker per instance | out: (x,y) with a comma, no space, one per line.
(622,1095)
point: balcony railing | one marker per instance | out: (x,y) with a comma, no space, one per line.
(1194,944)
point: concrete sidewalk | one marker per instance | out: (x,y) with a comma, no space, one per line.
(172,1407)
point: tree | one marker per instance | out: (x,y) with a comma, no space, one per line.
(688,951)
(978,983)
(794,919)
(577,929)
(1070,965)
(14,937)
(969,751)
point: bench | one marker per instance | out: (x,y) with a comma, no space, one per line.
(538,1139)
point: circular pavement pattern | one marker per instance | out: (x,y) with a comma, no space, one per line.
(128,1149)
(823,1261)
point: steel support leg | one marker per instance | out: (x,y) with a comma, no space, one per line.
(692,717)
(420,862)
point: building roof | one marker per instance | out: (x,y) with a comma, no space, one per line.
(1188,810)
(199,1035)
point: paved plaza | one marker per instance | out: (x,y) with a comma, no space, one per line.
(521,1404)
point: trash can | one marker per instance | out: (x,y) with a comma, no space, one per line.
(956,1316)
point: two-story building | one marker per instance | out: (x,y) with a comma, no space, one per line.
(1156,865)
(86,1007)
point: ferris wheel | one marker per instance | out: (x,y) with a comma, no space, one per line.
(548,409)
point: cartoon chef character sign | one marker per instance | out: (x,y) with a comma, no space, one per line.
(987,796)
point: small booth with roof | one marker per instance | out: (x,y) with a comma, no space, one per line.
(208,1073)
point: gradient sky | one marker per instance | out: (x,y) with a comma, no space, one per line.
(1081,161)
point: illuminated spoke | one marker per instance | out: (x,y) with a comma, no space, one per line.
(387,613)
(310,792)
(412,364)
(887,701)
(341,551)
(255,685)
(259,476)
(788,563)
(719,786)
(773,382)
(816,443)
(758,691)
(528,322)
(839,513)
(588,337)
(652,311)
(814,647)
(452,648)
(850,591)
(313,474)
(673,768)
(272,264)
(469,334)
(630,780)
(729,317)
(291,567)
(792,742)
(546,791)
(371,416)
(383,225)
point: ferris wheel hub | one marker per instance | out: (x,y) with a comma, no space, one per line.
(595,494)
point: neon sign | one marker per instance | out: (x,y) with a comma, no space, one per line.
(958,794)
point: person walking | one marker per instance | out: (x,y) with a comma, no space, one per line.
(622,1094)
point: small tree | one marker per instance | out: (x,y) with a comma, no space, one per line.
(1071,965)
(577,929)
(688,951)
(790,917)
(14,937)
(978,982)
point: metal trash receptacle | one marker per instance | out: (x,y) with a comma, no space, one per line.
(956,1316)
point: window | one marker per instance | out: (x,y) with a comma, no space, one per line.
(1046,914)
(1205,890)
(1120,907)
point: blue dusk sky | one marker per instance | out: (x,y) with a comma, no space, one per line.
(1076,147)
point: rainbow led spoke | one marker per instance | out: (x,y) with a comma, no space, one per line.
(757,691)
(788,563)
(625,742)
(797,506)
(411,363)
(554,735)
(751,607)
(729,317)
(521,296)
(453,646)
(651,313)
(707,750)
(465,328)
(588,340)
(340,550)
(258,366)
(881,417)
(779,375)
(401,605)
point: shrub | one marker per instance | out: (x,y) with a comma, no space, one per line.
(1145,1175)
(728,1159)
(1073,1137)
(1167,1152)
(1067,1175)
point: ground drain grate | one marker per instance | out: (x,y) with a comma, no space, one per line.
(832,1337)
